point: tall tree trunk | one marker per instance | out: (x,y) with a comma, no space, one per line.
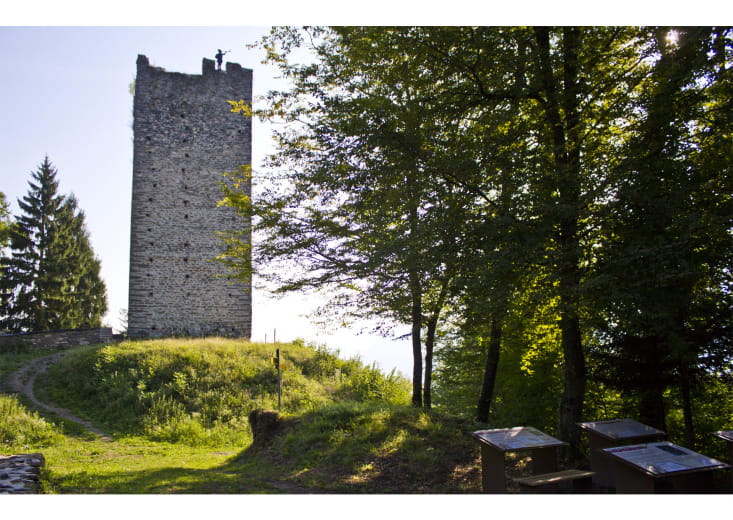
(416,318)
(562,115)
(653,381)
(486,396)
(429,345)
(685,389)
(651,408)
(431,329)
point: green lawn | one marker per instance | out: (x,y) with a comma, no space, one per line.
(335,436)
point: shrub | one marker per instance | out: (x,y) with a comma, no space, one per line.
(21,427)
(370,384)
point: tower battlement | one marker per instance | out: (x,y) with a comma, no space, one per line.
(185,137)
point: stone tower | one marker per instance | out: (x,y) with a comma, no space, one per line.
(185,137)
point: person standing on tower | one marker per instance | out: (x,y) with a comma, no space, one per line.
(219,58)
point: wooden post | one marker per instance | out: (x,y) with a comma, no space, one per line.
(599,461)
(544,460)
(730,461)
(279,380)
(630,480)
(493,478)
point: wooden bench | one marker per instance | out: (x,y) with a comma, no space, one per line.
(579,478)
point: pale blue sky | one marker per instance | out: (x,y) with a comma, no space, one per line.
(65,94)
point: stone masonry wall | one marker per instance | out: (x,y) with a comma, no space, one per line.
(21,474)
(185,137)
(57,338)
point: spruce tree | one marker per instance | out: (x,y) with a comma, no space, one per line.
(50,277)
(83,292)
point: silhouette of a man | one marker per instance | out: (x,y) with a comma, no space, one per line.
(219,58)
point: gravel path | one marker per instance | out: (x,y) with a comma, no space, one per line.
(22,380)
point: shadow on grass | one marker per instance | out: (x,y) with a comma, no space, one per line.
(372,449)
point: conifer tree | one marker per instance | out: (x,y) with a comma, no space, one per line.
(50,276)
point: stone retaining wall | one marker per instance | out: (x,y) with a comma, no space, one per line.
(57,338)
(20,474)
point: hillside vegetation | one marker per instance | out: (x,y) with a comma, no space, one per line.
(178,412)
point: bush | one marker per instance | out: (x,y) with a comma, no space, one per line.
(370,384)
(21,428)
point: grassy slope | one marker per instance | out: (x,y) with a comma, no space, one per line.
(327,443)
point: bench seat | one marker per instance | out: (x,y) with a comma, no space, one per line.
(548,479)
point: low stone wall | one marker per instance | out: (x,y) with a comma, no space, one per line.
(20,474)
(52,339)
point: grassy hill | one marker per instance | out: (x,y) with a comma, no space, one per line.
(178,413)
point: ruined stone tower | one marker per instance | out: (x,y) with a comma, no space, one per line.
(185,137)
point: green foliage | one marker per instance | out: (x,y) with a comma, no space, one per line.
(202,391)
(712,411)
(355,201)
(51,278)
(4,222)
(457,170)
(23,429)
(370,384)
(529,379)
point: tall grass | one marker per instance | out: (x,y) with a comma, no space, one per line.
(201,391)
(21,428)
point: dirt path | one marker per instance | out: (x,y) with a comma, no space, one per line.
(22,380)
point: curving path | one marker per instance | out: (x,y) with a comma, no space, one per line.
(22,380)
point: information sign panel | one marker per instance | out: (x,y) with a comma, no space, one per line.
(726,435)
(519,438)
(663,458)
(617,429)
